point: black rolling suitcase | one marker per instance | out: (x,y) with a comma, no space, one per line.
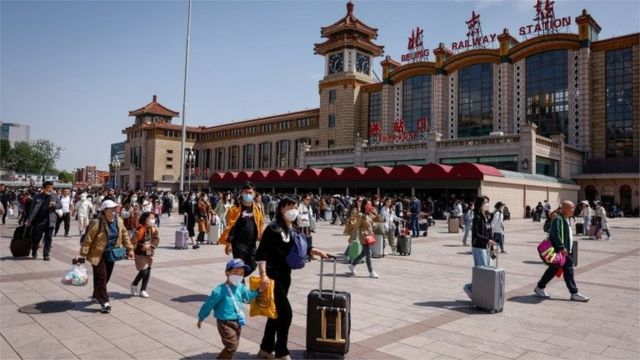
(328,319)
(21,242)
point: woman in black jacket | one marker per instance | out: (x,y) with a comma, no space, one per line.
(480,235)
(271,256)
(190,210)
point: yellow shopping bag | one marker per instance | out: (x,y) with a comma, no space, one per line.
(265,304)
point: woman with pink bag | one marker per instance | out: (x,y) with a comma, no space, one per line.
(561,237)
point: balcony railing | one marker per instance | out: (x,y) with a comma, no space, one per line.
(480,140)
(333,151)
(395,147)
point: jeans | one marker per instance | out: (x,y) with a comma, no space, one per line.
(276,331)
(366,251)
(567,271)
(467,231)
(586,221)
(480,257)
(415,226)
(499,238)
(66,217)
(39,230)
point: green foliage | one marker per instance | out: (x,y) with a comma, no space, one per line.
(65,176)
(35,157)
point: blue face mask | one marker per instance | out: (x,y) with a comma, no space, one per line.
(247,198)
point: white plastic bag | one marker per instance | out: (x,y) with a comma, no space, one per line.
(77,276)
(10,211)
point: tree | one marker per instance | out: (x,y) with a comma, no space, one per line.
(37,157)
(65,177)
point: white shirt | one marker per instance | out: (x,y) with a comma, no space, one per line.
(388,217)
(66,204)
(497,225)
(83,207)
(570,234)
(304,212)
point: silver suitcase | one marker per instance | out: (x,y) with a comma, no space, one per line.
(377,250)
(488,288)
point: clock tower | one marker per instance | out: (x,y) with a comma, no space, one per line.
(349,52)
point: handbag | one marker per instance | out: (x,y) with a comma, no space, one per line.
(116,254)
(265,303)
(549,255)
(369,240)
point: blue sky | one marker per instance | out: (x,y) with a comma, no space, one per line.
(73,70)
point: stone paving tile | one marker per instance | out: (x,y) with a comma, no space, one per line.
(6,351)
(405,351)
(109,354)
(415,295)
(456,351)
(87,344)
(136,343)
(615,353)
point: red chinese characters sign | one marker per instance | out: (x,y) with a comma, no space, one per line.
(400,133)
(545,19)
(415,47)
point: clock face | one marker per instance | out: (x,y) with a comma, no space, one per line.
(336,63)
(362,63)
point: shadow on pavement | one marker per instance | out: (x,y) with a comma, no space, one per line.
(539,262)
(190,298)
(448,245)
(83,306)
(210,355)
(465,253)
(462,306)
(526,299)
(21,258)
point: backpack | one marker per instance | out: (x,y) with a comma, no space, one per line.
(297,257)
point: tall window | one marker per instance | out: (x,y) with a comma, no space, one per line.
(248,154)
(332,96)
(619,102)
(219,158)
(207,159)
(233,157)
(332,120)
(475,100)
(375,107)
(547,92)
(265,155)
(282,153)
(416,101)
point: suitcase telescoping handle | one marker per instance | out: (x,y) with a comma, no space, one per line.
(334,274)
(489,254)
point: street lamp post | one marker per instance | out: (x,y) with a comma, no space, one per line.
(191,158)
(115,165)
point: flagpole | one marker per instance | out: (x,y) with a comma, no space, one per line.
(184,99)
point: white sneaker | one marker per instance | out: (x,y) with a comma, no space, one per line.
(134,290)
(579,297)
(144,294)
(542,293)
(373,275)
(352,269)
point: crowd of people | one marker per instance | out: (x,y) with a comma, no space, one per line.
(257,231)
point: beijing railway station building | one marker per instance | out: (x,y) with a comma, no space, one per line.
(552,114)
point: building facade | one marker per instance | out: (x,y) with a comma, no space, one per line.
(14,132)
(559,104)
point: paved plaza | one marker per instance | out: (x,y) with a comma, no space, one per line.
(416,310)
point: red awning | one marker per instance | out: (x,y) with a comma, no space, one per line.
(216,177)
(330,174)
(258,176)
(274,175)
(310,174)
(378,173)
(244,176)
(229,177)
(434,171)
(291,175)
(353,173)
(404,172)
(473,171)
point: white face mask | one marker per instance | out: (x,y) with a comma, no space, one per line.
(193,198)
(291,215)
(235,279)
(486,207)
(151,222)
(134,199)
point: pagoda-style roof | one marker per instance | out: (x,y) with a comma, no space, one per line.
(349,32)
(154,108)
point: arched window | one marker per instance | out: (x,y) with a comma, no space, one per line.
(625,198)
(547,92)
(590,193)
(475,100)
(416,101)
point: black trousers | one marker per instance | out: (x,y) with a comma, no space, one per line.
(247,253)
(567,271)
(276,331)
(66,217)
(36,236)
(101,275)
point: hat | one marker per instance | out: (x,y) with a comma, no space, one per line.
(237,264)
(499,204)
(108,204)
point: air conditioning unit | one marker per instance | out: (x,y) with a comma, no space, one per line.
(496,133)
